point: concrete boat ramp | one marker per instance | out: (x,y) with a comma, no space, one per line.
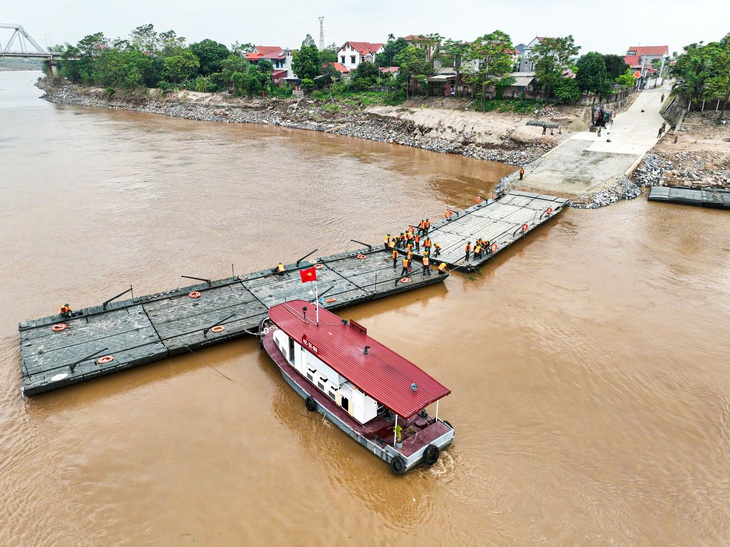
(117,335)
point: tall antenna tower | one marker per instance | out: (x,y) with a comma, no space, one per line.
(321,33)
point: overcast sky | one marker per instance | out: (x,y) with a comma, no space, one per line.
(606,27)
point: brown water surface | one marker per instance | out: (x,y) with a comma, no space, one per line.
(588,364)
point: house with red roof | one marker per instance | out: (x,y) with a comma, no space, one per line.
(281,59)
(641,59)
(351,54)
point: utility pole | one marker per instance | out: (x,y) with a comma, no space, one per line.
(321,33)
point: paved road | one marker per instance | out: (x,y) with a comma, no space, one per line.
(585,163)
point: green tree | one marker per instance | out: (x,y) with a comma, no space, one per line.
(413,64)
(453,53)
(551,56)
(492,54)
(718,85)
(365,76)
(250,82)
(308,41)
(146,39)
(210,54)
(592,77)
(181,67)
(328,54)
(391,50)
(126,69)
(171,43)
(306,63)
(615,66)
(566,90)
(626,80)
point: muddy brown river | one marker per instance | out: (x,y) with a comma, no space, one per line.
(589,364)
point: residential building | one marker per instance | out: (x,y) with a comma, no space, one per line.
(641,59)
(351,54)
(281,58)
(525,60)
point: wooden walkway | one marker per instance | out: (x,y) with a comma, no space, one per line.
(501,221)
(141,330)
(716,199)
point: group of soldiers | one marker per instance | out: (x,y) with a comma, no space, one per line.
(411,240)
(481,248)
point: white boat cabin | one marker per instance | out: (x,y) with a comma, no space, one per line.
(303,357)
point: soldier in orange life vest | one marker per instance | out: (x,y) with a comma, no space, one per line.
(409,254)
(447,214)
(437,246)
(65,310)
(426,269)
(417,242)
(421,227)
(427,244)
(386,241)
(426,227)
(442,268)
(394,254)
(279,268)
(468,250)
(406,265)
(522,170)
(478,251)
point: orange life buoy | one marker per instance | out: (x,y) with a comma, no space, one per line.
(218,328)
(405,280)
(494,247)
(361,257)
(318,266)
(550,211)
(330,300)
(478,199)
(105,360)
(58,327)
(194,294)
(525,227)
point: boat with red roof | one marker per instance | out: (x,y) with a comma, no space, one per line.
(370,392)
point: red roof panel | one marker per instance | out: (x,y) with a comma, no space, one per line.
(381,373)
(650,50)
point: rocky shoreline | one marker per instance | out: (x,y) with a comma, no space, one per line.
(302,114)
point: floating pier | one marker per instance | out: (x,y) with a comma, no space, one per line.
(502,222)
(715,198)
(58,351)
(100,340)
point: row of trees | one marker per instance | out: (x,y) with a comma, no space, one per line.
(162,59)
(152,59)
(702,72)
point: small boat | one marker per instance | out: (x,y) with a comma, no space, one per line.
(370,392)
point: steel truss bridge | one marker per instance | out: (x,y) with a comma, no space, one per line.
(22,45)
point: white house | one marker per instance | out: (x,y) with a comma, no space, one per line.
(281,58)
(351,54)
(526,64)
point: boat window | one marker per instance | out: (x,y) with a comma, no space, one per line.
(332,395)
(345,404)
(291,350)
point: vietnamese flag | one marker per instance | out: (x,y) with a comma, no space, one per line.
(310,274)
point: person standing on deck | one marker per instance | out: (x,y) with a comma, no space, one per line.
(386,241)
(394,254)
(426,269)
(522,172)
(417,242)
(427,244)
(468,250)
(406,265)
(447,214)
(437,246)
(426,227)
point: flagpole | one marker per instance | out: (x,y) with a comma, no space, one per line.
(316,299)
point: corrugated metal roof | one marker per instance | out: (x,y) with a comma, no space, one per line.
(381,373)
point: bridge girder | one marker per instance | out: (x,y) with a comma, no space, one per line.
(23,38)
